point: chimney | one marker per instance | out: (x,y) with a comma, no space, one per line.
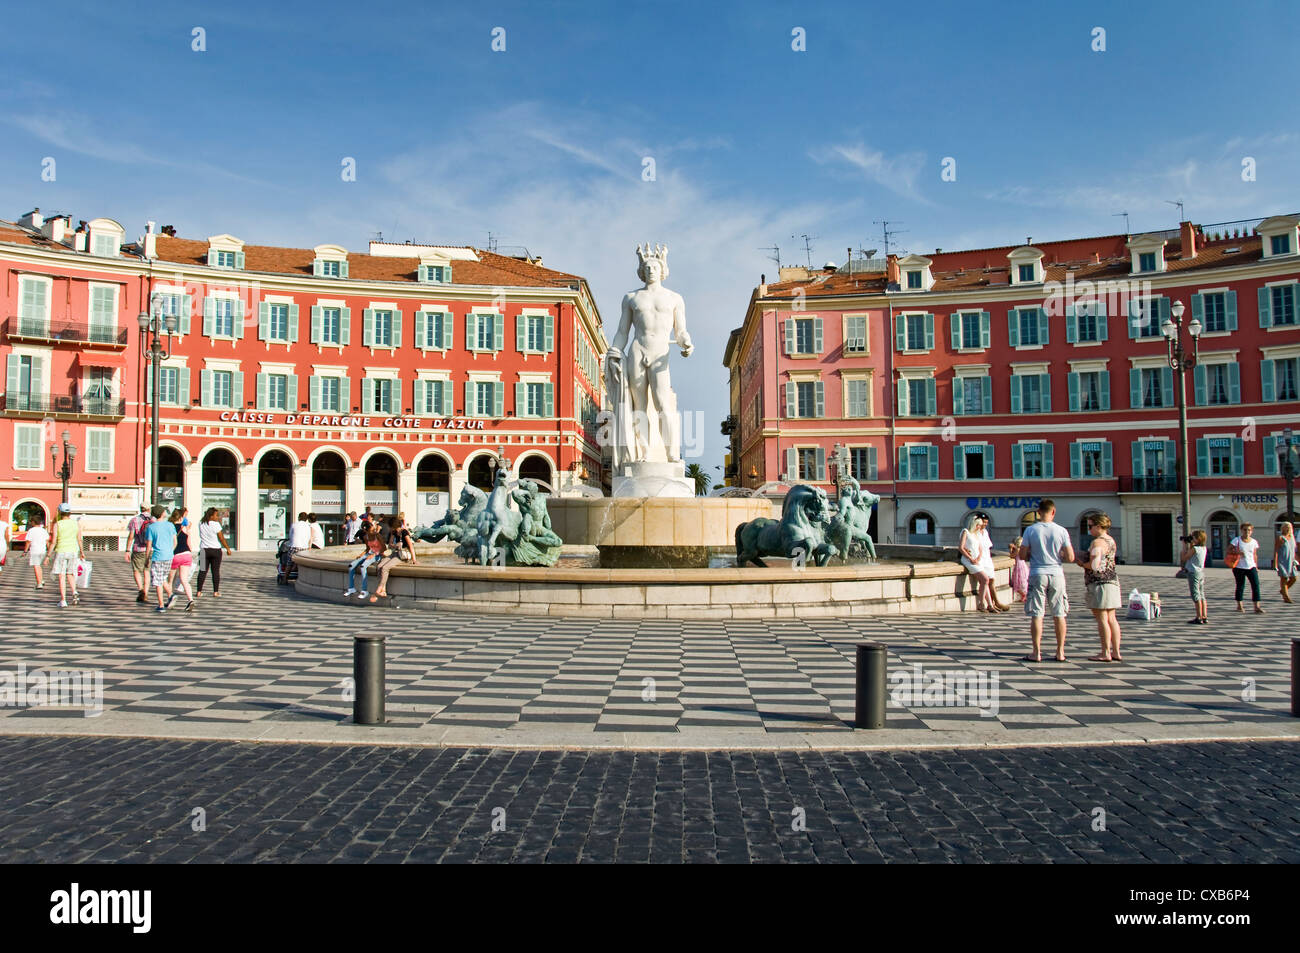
(892,273)
(150,241)
(762,286)
(32,219)
(169,231)
(80,236)
(56,228)
(1188,231)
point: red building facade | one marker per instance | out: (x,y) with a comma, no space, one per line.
(991,378)
(295,380)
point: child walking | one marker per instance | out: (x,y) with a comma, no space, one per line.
(1019,572)
(1193,557)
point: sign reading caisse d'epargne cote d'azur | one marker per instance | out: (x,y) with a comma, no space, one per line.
(335,420)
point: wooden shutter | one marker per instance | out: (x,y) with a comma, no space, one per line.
(421,329)
(792,465)
(1015,393)
(397,396)
(958,396)
(293,324)
(263,321)
(958,462)
(1072,380)
(239,260)
(1202,456)
(240,312)
(1135,388)
(988,461)
(237,389)
(183,386)
(1076,463)
(368,327)
(521,333)
(903,468)
(1265,303)
(1107,459)
(345,325)
(873,470)
(789,336)
(933,454)
(367,395)
(261,391)
(313,394)
(209,316)
(1048,453)
(1238,456)
(1044,328)
(550,333)
(317,313)
(1270,456)
(471,331)
(1017,462)
(498,397)
(521,400)
(187,307)
(986,320)
(1071,325)
(1136,450)
(900,333)
(954,330)
(819,389)
(1013,327)
(1234,384)
(291,393)
(1045,392)
(549,400)
(929,332)
(817,335)
(1230,309)
(930,404)
(498,333)
(1166,387)
(205,388)
(1103,383)
(1266,380)
(1199,394)
(397,327)
(986,385)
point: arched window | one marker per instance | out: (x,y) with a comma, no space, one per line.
(275,471)
(432,475)
(538,469)
(921,529)
(482,470)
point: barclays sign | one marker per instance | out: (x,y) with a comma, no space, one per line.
(1002,502)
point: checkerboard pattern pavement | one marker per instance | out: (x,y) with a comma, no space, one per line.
(261,652)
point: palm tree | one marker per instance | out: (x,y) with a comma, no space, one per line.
(700,476)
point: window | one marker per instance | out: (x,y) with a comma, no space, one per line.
(1031,394)
(99,451)
(812,465)
(803,336)
(1035,461)
(1090,459)
(27,447)
(105,246)
(433,330)
(102,324)
(25,382)
(175,305)
(1147,316)
(972,395)
(33,306)
(1282,305)
(1220,456)
(1217,384)
(1027,327)
(805,399)
(862,463)
(220,390)
(484,332)
(1026,273)
(537,399)
(918,397)
(855,334)
(1090,390)
(1214,312)
(277,391)
(972,461)
(913,280)
(856,398)
(435,274)
(330,269)
(1152,389)
(381,329)
(223,318)
(1280,244)
(970,330)
(434,398)
(1085,322)
(329,326)
(918,462)
(1147,261)
(807,396)
(277,322)
(380,393)
(329,392)
(169,385)
(224,259)
(916,332)
(485,399)
(1279,379)
(534,333)
(99,383)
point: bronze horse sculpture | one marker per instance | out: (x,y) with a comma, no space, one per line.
(850,525)
(805,516)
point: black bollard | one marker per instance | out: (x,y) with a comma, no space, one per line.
(368,679)
(870,698)
(1295,677)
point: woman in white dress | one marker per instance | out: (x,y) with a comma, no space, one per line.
(977,557)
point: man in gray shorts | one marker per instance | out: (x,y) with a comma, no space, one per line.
(1046,544)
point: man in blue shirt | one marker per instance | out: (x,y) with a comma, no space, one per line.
(1046,544)
(160,538)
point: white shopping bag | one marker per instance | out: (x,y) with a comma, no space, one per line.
(1140,606)
(83,573)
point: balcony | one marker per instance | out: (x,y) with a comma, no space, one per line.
(39,331)
(61,405)
(1149,484)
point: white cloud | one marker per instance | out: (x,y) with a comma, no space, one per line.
(898,173)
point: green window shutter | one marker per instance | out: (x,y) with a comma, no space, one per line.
(448,330)
(1045,388)
(1230,309)
(930,404)
(291,393)
(550,333)
(1202,456)
(958,396)
(1043,327)
(820,390)
(397,327)
(420,397)
(791,399)
(929,332)
(1234,384)
(521,333)
(1199,385)
(900,333)
(902,398)
(14,375)
(873,471)
(1164,311)
(817,335)
(205,387)
(240,313)
(498,333)
(986,320)
(397,397)
(1198,308)
(902,463)
(345,394)
(548,409)
(954,330)
(1073,380)
(789,336)
(187,307)
(1135,388)
(471,331)
(345,326)
(1076,463)
(448,405)
(1101,322)
(1104,384)
(1265,303)
(987,388)
(958,462)
(261,391)
(1017,462)
(1071,325)
(293,324)
(1167,386)
(521,400)
(421,329)
(209,315)
(422,273)
(1136,450)
(316,268)
(1047,460)
(1013,328)
(316,314)
(988,461)
(498,397)
(792,464)
(313,394)
(469,399)
(933,454)
(1015,393)
(1238,456)
(183,386)
(212,258)
(1270,456)
(239,260)
(237,389)
(1266,380)
(343,269)
(367,395)
(1107,459)
(368,327)
(1134,316)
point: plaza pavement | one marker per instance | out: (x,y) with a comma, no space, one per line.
(263,664)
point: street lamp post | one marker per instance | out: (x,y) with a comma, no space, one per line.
(64,471)
(840,457)
(1287,467)
(152,326)
(1181,360)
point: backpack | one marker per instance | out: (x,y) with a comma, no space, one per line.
(141,534)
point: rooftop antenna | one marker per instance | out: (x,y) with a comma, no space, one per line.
(775,256)
(1179,203)
(807,247)
(887,233)
(492,242)
(1127,231)
(377,236)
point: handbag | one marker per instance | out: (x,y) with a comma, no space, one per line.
(1232,557)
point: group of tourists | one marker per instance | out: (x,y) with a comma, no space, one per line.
(61,546)
(1038,576)
(161,554)
(386,544)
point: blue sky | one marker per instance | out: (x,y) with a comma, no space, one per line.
(544,144)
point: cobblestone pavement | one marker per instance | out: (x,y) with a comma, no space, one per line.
(67,799)
(263,662)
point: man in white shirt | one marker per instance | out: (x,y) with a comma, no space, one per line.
(317,532)
(38,543)
(300,533)
(1046,544)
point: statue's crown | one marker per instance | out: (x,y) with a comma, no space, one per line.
(660,253)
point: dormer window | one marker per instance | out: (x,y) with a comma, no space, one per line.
(914,279)
(915,271)
(1025,266)
(331,262)
(1279,235)
(1147,254)
(435,273)
(225,251)
(106,238)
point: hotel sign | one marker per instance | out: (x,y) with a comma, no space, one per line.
(322,420)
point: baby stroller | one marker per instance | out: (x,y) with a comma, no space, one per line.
(286,569)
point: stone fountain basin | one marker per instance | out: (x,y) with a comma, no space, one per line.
(777,591)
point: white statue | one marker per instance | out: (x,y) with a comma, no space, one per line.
(636,380)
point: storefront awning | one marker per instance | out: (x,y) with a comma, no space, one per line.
(102,358)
